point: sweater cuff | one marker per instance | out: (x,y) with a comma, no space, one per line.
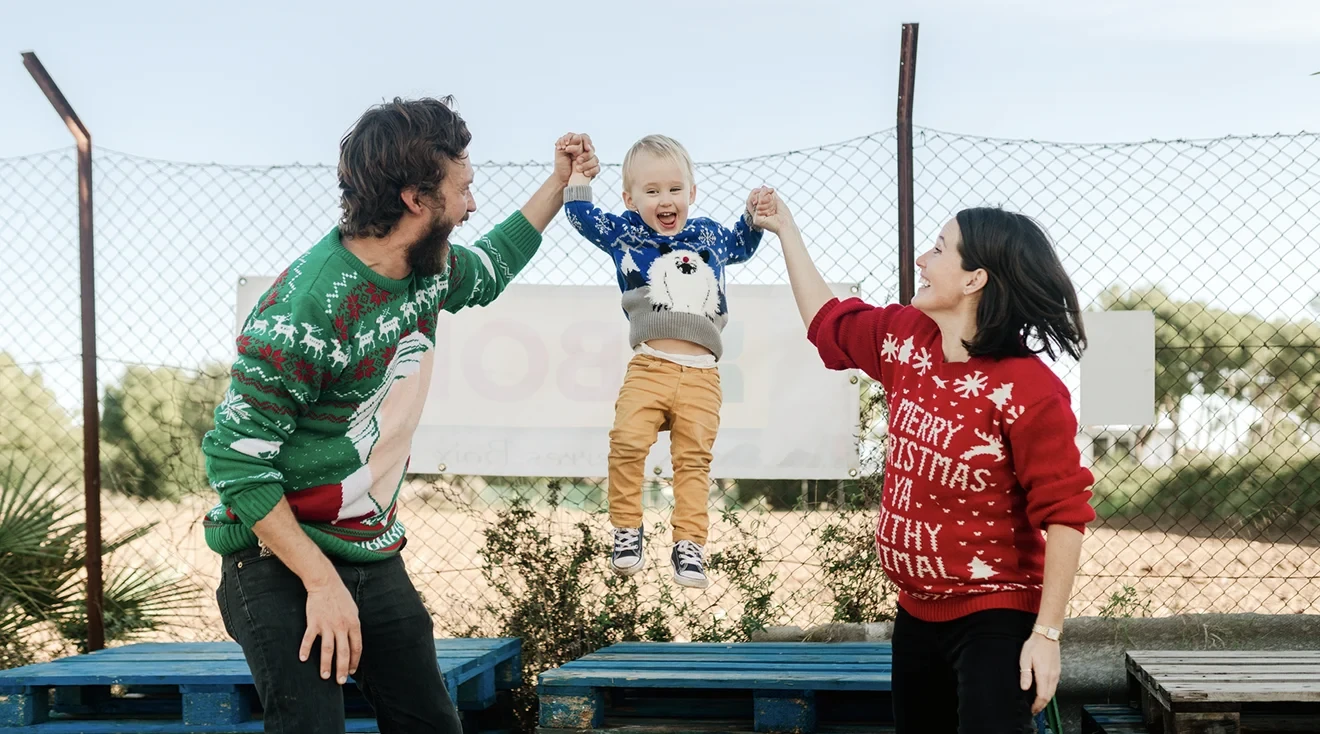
(1077,514)
(255,503)
(816,320)
(578,192)
(1079,527)
(524,238)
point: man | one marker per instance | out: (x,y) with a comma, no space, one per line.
(312,439)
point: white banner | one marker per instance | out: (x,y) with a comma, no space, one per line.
(526,387)
(1118,368)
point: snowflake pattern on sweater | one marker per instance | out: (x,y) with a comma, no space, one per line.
(981,458)
(673,286)
(635,247)
(332,370)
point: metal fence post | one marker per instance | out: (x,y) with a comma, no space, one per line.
(91,414)
(907,73)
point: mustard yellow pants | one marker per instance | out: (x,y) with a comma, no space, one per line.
(660,395)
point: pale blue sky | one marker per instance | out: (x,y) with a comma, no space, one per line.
(279,82)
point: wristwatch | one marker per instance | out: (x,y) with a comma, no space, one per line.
(1049,632)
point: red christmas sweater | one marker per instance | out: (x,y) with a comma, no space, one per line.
(981,459)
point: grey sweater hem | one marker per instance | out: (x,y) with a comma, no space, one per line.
(646,321)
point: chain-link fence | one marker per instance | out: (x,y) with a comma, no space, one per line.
(1216,507)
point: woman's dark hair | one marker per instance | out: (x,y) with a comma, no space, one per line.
(392,147)
(1028,297)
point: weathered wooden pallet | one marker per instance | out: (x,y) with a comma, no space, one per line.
(1226,691)
(164,688)
(715,726)
(695,688)
(1126,719)
(762,687)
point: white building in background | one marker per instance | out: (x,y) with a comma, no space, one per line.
(1209,423)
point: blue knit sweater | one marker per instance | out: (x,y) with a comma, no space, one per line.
(673,285)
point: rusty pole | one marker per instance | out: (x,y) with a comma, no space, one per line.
(91,414)
(907,75)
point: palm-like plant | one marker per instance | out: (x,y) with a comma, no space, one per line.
(42,594)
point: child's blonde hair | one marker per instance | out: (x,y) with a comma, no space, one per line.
(661,146)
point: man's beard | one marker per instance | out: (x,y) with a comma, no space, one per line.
(428,255)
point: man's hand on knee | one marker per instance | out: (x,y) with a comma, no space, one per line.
(333,616)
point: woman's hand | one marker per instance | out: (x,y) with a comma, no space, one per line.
(1039,661)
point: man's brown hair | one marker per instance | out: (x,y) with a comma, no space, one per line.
(393,147)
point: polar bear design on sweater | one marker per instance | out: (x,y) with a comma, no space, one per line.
(682,280)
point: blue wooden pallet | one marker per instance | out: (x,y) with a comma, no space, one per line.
(1112,719)
(687,688)
(774,687)
(177,687)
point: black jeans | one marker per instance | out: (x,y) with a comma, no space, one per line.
(961,676)
(264,606)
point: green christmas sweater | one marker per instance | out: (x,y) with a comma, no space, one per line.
(332,371)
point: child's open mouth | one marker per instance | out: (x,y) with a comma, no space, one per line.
(667,219)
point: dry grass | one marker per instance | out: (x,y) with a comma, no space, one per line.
(1172,574)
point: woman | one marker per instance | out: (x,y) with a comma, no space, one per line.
(985,498)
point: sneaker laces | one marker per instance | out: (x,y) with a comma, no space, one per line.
(627,539)
(689,554)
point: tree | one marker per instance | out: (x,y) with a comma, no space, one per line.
(152,427)
(1282,380)
(1272,365)
(36,433)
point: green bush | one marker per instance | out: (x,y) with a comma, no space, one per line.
(546,588)
(1253,490)
(549,586)
(743,562)
(851,570)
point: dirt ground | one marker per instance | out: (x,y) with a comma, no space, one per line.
(1171,573)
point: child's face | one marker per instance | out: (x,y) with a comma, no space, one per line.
(660,192)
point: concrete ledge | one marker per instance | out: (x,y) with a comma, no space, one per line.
(1093,647)
(834,632)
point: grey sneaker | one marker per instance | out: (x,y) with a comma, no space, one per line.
(687,561)
(627,558)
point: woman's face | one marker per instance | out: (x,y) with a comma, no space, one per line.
(942,283)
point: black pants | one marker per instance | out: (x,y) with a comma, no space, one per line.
(961,676)
(264,606)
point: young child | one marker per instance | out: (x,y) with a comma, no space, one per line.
(671,272)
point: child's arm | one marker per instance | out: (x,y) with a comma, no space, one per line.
(601,228)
